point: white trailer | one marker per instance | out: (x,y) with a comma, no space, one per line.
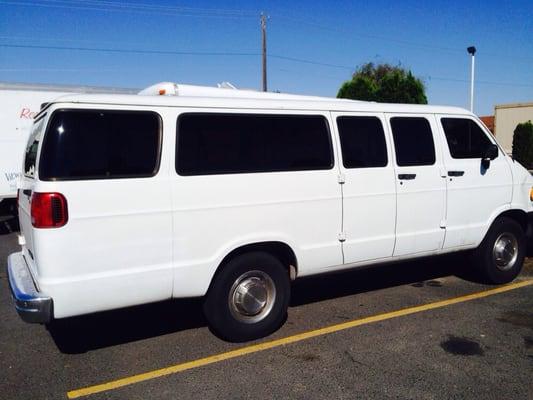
(19,103)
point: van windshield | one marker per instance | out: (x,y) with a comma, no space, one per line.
(30,157)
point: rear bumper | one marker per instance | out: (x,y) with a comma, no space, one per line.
(31,305)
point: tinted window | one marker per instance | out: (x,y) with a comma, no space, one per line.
(86,144)
(30,157)
(362,142)
(237,143)
(413,141)
(465,138)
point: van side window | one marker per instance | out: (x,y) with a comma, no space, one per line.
(30,156)
(465,138)
(362,142)
(413,141)
(212,143)
(100,144)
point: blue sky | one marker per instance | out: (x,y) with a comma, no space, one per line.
(430,38)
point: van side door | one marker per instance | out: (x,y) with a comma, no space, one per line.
(420,185)
(475,194)
(369,192)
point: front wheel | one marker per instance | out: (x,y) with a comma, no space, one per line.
(499,258)
(248,298)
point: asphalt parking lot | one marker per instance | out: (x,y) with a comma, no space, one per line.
(344,338)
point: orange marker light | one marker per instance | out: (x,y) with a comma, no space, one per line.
(162,92)
(531,194)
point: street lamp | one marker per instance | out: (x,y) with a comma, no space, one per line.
(472,51)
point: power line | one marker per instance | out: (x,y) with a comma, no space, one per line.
(60,69)
(154,6)
(63,39)
(304,61)
(115,6)
(236,54)
(314,73)
(94,5)
(172,52)
(132,51)
(438,78)
(106,5)
(368,36)
(151,5)
(403,42)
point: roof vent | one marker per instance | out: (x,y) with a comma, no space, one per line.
(175,89)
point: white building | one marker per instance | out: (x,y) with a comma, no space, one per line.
(506,118)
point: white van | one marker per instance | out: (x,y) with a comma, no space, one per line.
(19,104)
(134,199)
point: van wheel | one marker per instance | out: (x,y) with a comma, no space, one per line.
(248,298)
(499,258)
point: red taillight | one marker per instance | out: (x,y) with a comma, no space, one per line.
(48,210)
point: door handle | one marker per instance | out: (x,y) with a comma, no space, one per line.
(456,173)
(406,177)
(27,192)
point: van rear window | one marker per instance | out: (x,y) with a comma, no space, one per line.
(100,144)
(246,143)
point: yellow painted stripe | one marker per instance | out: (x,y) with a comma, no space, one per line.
(286,340)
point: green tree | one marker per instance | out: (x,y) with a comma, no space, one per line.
(384,83)
(523,144)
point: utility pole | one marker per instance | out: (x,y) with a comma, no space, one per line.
(263,34)
(472,51)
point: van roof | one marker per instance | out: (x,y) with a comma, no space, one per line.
(270,102)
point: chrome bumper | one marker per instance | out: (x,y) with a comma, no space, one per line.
(31,305)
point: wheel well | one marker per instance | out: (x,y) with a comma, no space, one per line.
(280,250)
(517,215)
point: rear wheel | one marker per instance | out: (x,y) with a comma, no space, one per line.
(248,298)
(500,256)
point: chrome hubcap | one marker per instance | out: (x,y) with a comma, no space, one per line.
(252,296)
(505,251)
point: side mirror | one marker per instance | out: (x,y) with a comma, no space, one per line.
(490,154)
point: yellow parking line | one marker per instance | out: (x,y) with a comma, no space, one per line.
(286,340)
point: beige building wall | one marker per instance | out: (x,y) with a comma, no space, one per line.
(506,118)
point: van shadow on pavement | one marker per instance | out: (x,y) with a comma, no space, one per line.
(421,272)
(110,328)
(89,332)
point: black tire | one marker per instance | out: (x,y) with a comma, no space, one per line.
(484,258)
(8,207)
(224,317)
